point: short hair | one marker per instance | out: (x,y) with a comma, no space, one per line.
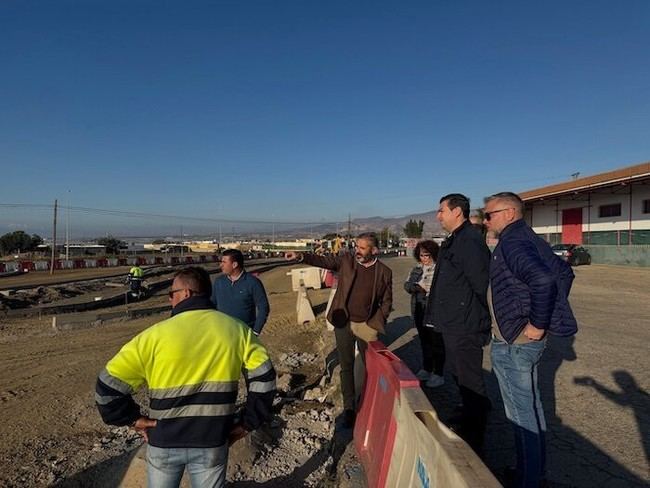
(197,279)
(455,200)
(512,199)
(371,237)
(431,247)
(236,255)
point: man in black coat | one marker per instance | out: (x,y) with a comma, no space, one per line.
(458,308)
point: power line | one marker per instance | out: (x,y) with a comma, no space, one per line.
(133,214)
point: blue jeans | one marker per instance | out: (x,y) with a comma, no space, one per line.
(205,465)
(515,366)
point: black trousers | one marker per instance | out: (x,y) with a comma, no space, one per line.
(465,362)
(431,342)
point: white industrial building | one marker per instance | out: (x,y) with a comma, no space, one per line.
(611,208)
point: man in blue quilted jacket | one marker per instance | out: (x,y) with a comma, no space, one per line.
(528,297)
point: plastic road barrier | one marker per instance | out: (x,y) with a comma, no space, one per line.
(399,438)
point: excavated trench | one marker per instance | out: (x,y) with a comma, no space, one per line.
(97,293)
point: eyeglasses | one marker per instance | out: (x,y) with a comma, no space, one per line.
(488,215)
(171,292)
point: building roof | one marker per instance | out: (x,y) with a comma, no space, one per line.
(624,175)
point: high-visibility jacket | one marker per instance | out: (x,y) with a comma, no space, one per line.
(136,272)
(191,364)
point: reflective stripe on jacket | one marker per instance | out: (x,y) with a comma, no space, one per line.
(191,364)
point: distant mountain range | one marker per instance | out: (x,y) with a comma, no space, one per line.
(357,226)
(375,224)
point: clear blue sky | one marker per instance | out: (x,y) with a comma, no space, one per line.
(305,111)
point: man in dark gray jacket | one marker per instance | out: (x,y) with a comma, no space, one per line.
(458,308)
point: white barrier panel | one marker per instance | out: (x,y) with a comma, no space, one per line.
(426,453)
(90,263)
(41,265)
(11,266)
(151,260)
(69,264)
(309,276)
(132,261)
(112,261)
(303,307)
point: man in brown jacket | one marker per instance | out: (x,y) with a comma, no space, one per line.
(360,306)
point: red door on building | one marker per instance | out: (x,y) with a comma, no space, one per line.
(572,226)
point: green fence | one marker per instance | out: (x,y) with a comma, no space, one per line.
(629,255)
(616,237)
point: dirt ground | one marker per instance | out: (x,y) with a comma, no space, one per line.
(51,432)
(594,387)
(594,390)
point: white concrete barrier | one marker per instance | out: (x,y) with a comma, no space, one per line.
(304,311)
(310,277)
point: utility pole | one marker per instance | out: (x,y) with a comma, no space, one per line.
(53,238)
(67,229)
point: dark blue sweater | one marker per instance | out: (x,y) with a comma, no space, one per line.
(244,299)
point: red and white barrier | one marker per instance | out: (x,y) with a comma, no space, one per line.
(398,436)
(374,431)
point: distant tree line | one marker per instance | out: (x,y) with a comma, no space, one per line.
(19,241)
(112,244)
(414,229)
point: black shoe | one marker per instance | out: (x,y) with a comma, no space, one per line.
(349,417)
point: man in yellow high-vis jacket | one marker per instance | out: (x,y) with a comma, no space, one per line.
(136,272)
(191,364)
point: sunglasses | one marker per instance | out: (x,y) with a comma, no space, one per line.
(488,215)
(171,292)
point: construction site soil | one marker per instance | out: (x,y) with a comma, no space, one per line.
(594,390)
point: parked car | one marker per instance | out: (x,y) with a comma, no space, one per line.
(572,253)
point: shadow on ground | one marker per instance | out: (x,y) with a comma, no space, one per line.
(573,460)
(102,475)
